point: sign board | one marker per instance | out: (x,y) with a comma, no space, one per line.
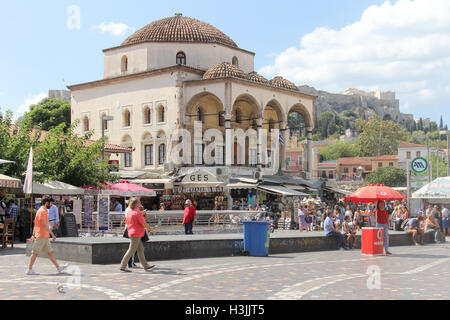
(201,176)
(372,241)
(69,226)
(419,165)
(77,210)
(103,213)
(88,210)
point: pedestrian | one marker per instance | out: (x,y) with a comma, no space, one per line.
(446,221)
(309,219)
(40,237)
(437,214)
(349,232)
(53,216)
(117,206)
(189,217)
(136,226)
(383,222)
(331,231)
(338,218)
(302,224)
(357,219)
(413,227)
(13,210)
(349,213)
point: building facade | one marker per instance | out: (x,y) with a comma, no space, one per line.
(180,75)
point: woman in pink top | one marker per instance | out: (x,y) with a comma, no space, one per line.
(136,226)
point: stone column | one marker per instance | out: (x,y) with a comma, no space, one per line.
(282,157)
(309,153)
(228,142)
(259,145)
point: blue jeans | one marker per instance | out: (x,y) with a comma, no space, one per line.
(386,235)
(339,237)
(188,228)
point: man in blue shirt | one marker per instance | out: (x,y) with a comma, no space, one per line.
(413,227)
(53,216)
(117,206)
(330,230)
(13,210)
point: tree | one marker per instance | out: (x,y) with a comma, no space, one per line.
(340,149)
(47,114)
(64,156)
(441,123)
(379,137)
(15,145)
(389,176)
(420,126)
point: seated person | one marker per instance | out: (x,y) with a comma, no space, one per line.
(349,232)
(331,231)
(413,227)
(432,226)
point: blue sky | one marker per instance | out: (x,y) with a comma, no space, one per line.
(290,38)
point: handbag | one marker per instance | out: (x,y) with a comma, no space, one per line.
(145,238)
(125,232)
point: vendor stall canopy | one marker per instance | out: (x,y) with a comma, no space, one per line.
(56,188)
(9,182)
(438,189)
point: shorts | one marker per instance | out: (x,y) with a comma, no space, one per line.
(42,245)
(446,223)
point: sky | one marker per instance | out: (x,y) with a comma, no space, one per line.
(401,46)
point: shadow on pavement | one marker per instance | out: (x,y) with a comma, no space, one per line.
(422,256)
(12,251)
(167,271)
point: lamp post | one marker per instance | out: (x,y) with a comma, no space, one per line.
(447,133)
(105,118)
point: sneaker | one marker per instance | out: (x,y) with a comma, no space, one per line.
(149,268)
(125,270)
(62,268)
(31,272)
(388,253)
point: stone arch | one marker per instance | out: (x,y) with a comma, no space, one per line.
(247,107)
(303,111)
(274,111)
(124,64)
(211,108)
(147,114)
(127,118)
(147,136)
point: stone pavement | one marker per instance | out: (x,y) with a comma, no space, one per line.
(411,273)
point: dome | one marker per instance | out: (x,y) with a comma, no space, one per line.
(280,82)
(224,70)
(255,77)
(179,29)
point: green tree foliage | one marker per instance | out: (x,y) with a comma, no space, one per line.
(15,143)
(340,149)
(47,114)
(379,137)
(64,156)
(389,176)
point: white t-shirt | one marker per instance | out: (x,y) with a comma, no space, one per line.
(349,214)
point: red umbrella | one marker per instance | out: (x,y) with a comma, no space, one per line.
(373,193)
(130,189)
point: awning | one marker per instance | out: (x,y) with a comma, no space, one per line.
(56,188)
(297,187)
(282,191)
(152,181)
(9,182)
(339,191)
(241,185)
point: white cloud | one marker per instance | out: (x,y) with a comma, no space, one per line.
(402,47)
(116,29)
(25,106)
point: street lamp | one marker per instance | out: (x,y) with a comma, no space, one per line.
(105,118)
(360,170)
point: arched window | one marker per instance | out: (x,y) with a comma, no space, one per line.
(181,58)
(238,116)
(105,122)
(235,61)
(200,115)
(85,124)
(221,119)
(162,153)
(161,114)
(124,64)
(147,115)
(127,118)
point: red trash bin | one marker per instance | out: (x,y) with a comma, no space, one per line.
(372,241)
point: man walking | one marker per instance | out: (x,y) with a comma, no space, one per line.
(53,216)
(41,234)
(189,217)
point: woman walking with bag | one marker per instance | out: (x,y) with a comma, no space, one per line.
(136,226)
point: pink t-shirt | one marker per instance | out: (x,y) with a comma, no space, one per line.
(135,221)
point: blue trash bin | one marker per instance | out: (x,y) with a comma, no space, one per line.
(256,238)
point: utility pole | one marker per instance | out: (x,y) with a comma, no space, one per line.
(408,183)
(447,133)
(430,173)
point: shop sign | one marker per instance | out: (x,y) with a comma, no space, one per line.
(199,177)
(419,165)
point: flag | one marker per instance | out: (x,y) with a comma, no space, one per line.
(28,185)
(281,138)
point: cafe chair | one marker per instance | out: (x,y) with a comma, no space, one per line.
(8,233)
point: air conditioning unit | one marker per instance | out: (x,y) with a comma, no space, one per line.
(257,175)
(169,166)
(221,171)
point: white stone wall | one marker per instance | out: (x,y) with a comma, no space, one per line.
(152,55)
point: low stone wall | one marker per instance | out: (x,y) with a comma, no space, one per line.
(111,250)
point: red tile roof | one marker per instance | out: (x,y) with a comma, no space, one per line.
(406,145)
(388,157)
(363,161)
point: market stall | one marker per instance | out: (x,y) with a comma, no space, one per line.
(435,193)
